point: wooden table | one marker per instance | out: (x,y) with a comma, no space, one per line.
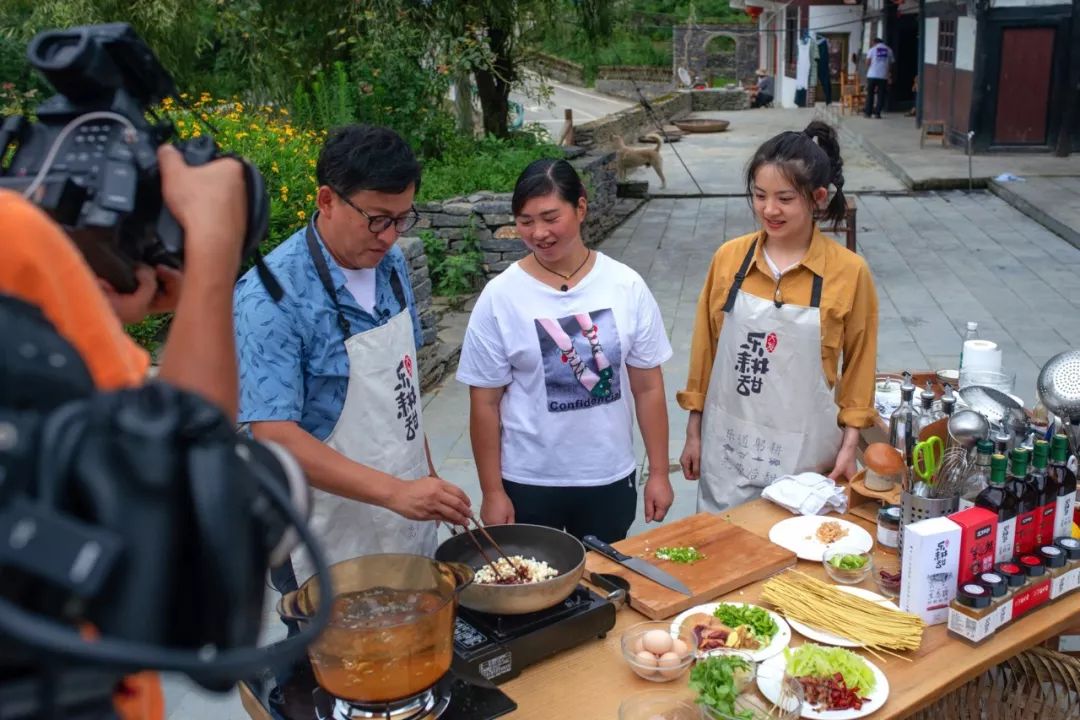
(591,680)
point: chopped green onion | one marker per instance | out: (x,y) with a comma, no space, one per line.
(683,555)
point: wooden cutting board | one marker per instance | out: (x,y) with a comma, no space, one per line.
(733,558)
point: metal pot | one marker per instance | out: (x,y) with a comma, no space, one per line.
(391,631)
(561,550)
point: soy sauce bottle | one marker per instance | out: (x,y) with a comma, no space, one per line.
(1046,487)
(998,500)
(1066,485)
(1027,502)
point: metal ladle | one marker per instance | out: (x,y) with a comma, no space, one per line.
(967,427)
(1059,390)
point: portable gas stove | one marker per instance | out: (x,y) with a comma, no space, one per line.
(498,647)
(452,698)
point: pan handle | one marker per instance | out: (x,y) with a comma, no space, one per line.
(616,586)
(287,610)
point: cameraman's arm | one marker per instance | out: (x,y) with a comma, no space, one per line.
(210,204)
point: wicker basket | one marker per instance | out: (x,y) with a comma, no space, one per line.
(1037,684)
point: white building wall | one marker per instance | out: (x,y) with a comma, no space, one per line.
(840,19)
(965,43)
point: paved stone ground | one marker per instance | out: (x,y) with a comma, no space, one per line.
(718,160)
(894,142)
(1052,201)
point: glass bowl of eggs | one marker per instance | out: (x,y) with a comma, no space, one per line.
(654,654)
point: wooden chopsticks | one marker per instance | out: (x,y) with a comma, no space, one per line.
(494,567)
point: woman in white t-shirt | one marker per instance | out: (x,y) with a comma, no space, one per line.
(559,350)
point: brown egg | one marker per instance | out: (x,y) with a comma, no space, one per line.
(636,646)
(669,664)
(646,661)
(680,648)
(657,642)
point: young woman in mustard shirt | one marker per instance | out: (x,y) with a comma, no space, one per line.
(784,349)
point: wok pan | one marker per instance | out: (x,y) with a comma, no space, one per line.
(558,549)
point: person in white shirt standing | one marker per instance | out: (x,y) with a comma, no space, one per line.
(555,347)
(879,62)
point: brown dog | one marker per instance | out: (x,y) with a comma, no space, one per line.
(627,158)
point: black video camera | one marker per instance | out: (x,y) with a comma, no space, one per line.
(90,160)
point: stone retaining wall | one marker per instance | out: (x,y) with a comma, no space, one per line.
(634,121)
(720,99)
(558,69)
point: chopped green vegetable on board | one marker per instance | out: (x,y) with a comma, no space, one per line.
(684,555)
(820,662)
(848,562)
(759,621)
(718,680)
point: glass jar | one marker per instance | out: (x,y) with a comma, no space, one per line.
(888,526)
(971,613)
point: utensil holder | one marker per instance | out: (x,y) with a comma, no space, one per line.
(914,508)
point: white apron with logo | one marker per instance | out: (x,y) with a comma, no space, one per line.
(381,426)
(769,410)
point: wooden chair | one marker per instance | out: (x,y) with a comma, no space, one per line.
(848,228)
(852,94)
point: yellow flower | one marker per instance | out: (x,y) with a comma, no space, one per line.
(284,188)
(309,198)
(240,135)
(301,214)
(274,167)
(239,107)
(253,126)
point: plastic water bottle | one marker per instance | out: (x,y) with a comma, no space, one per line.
(972,333)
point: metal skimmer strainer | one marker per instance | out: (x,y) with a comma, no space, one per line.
(1059,390)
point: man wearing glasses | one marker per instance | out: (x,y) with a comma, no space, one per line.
(330,372)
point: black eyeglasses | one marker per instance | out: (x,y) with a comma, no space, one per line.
(379,223)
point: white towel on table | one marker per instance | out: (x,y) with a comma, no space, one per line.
(807,493)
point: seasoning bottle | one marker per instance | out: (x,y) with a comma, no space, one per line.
(1053,558)
(1027,502)
(948,401)
(903,422)
(1066,485)
(978,477)
(888,526)
(1046,489)
(1001,443)
(1000,597)
(999,501)
(1071,547)
(970,613)
(927,414)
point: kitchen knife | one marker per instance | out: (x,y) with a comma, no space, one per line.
(636,564)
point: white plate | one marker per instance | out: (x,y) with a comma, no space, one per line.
(798,534)
(779,641)
(826,638)
(771,672)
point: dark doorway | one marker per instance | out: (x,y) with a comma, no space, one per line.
(1027,56)
(904,41)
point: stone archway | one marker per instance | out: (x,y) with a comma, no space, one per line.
(690,43)
(721,52)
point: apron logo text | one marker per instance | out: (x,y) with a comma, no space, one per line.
(770,342)
(406,399)
(751,364)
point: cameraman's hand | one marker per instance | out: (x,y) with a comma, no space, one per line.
(432,498)
(157,291)
(210,204)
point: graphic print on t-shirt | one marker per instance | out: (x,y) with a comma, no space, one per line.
(582,358)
